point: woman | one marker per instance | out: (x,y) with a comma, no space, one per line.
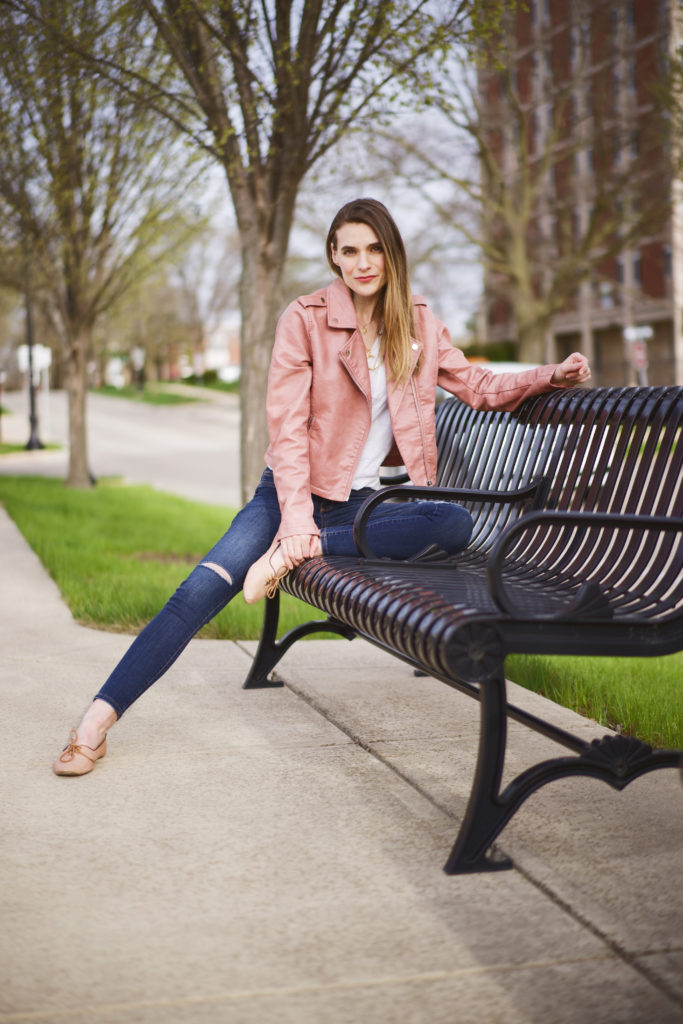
(351,387)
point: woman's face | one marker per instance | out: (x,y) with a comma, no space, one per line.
(358,254)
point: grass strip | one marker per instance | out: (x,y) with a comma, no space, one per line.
(118,551)
(12,449)
(209,380)
(637,696)
(151,394)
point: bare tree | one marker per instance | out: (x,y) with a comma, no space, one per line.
(547,182)
(268,88)
(171,314)
(90,180)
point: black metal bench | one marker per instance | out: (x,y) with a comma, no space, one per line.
(577,499)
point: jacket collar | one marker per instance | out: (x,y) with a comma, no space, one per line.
(341,311)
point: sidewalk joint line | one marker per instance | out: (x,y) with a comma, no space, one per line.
(422,977)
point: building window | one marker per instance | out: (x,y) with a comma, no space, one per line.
(616,77)
(667,261)
(637,269)
(549,64)
(631,76)
(605,295)
(586,32)
(630,15)
(573,109)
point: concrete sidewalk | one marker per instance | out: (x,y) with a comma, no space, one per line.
(275,856)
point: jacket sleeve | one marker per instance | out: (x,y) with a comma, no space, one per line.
(288,409)
(482,388)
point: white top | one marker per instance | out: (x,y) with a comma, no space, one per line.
(381,436)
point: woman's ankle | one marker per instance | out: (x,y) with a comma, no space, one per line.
(96,723)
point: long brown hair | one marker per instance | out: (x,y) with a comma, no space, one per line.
(394,304)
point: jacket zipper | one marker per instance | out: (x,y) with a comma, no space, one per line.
(422,433)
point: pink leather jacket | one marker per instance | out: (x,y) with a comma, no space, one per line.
(319,400)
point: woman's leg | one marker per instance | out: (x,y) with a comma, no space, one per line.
(393,531)
(401,531)
(208,588)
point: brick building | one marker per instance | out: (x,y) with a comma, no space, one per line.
(588,80)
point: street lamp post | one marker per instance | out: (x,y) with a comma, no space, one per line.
(3,378)
(33,441)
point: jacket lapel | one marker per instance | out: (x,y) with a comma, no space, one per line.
(353,356)
(396,396)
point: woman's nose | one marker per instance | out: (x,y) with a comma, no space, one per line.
(363,259)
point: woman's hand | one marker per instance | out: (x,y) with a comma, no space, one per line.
(573,370)
(298,548)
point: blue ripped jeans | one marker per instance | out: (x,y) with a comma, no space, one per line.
(394,531)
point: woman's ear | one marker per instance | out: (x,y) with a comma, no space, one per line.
(333,252)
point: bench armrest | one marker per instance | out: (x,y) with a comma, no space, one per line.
(536,491)
(589,597)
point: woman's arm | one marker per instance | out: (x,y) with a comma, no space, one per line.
(288,408)
(483,389)
(573,370)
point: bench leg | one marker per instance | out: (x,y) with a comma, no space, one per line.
(485,817)
(270,649)
(616,760)
(267,655)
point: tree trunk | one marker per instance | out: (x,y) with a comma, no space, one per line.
(79,474)
(532,323)
(531,343)
(261,305)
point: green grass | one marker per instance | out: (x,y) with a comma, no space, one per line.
(9,449)
(117,552)
(210,380)
(152,394)
(638,696)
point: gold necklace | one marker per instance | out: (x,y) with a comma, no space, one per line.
(378,358)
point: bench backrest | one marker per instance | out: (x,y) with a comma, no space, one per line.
(599,449)
(607,450)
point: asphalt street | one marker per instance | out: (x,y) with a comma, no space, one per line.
(191,450)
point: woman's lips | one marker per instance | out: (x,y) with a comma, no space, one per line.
(364,280)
